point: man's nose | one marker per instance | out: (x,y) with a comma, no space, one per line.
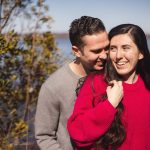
(103,54)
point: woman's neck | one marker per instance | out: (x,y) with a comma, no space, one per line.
(131,78)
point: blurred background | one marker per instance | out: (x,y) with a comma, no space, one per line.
(34,43)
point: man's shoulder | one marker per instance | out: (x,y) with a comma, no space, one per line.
(60,70)
(59,75)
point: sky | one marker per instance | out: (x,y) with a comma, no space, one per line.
(111,12)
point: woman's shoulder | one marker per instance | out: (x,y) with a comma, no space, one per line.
(97,80)
(94,79)
(96,76)
(93,84)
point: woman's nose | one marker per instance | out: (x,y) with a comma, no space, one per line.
(119,54)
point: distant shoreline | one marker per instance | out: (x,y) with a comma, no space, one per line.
(66,35)
(61,35)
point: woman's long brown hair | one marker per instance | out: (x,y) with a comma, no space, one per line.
(116,134)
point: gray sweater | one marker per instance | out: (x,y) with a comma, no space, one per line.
(55,105)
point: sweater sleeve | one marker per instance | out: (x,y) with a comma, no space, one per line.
(46,120)
(88,123)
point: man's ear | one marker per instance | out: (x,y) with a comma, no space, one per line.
(76,51)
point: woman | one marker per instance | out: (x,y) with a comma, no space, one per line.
(121,119)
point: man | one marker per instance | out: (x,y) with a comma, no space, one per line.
(57,95)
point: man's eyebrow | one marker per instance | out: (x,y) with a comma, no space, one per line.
(99,49)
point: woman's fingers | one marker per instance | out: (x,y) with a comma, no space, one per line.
(115,92)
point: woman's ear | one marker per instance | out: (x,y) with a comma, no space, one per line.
(141,56)
(76,51)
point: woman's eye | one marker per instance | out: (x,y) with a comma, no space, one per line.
(126,48)
(113,49)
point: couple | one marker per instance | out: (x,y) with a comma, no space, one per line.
(112,109)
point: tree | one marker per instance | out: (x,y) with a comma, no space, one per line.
(26,60)
(9,9)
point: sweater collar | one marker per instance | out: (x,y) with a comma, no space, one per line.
(132,87)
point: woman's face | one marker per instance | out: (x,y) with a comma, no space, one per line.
(124,55)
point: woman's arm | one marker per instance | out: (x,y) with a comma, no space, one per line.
(88,123)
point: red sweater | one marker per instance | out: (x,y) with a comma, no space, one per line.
(88,123)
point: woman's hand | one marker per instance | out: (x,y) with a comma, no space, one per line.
(115,92)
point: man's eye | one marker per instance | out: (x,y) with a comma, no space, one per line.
(107,48)
(95,52)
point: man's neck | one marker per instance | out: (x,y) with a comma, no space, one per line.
(77,68)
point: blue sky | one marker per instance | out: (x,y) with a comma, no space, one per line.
(111,12)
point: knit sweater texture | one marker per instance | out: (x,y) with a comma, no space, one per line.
(89,122)
(55,104)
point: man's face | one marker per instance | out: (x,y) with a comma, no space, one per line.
(94,52)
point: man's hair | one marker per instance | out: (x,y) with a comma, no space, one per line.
(85,25)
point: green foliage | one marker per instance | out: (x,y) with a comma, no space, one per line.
(26,60)
(16,131)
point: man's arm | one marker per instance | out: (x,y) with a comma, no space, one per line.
(46,120)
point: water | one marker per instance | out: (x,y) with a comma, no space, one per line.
(65,48)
